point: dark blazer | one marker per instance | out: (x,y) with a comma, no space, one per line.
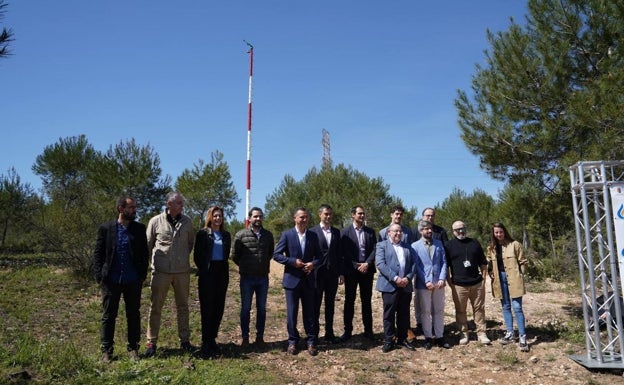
(107,242)
(288,250)
(438,233)
(202,251)
(332,254)
(351,248)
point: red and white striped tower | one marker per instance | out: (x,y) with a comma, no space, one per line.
(248,190)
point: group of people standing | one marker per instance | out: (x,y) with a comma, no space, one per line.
(438,261)
(316,261)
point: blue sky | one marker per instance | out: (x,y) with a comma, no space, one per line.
(381,77)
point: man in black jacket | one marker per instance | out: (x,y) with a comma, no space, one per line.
(358,243)
(120,265)
(467,271)
(252,251)
(331,273)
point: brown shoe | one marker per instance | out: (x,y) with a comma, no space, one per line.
(292,349)
(411,337)
(312,350)
(107,357)
(134,355)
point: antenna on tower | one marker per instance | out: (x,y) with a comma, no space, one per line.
(248,187)
(327,161)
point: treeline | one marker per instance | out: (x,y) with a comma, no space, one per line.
(80,185)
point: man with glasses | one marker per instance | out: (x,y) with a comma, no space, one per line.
(396,217)
(395,262)
(439,233)
(467,271)
(358,247)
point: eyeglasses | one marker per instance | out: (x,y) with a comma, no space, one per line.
(460,230)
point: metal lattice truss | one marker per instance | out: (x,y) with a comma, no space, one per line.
(598,261)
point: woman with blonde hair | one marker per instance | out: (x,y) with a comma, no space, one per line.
(211,254)
(506,267)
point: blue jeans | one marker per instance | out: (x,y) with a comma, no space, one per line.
(248,286)
(508,304)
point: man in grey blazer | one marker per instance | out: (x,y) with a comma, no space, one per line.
(395,262)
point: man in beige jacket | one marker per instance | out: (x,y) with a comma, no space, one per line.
(170,239)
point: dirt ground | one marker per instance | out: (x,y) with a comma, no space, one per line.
(549,308)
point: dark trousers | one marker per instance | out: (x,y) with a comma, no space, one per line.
(212,287)
(326,286)
(304,293)
(365,281)
(396,311)
(111,295)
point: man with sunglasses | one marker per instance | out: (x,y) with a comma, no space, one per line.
(467,271)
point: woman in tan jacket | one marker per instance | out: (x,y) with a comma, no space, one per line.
(506,267)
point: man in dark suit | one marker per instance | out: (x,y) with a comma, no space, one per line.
(395,262)
(331,273)
(120,265)
(298,250)
(358,247)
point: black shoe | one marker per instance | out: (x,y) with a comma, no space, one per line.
(345,337)
(442,343)
(428,344)
(369,335)
(312,350)
(387,346)
(186,347)
(330,338)
(206,352)
(408,345)
(260,342)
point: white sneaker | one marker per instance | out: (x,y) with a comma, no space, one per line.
(463,339)
(509,337)
(524,347)
(483,338)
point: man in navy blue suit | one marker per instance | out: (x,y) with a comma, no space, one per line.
(298,250)
(331,273)
(358,247)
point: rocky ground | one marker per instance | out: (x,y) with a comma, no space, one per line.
(553,314)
